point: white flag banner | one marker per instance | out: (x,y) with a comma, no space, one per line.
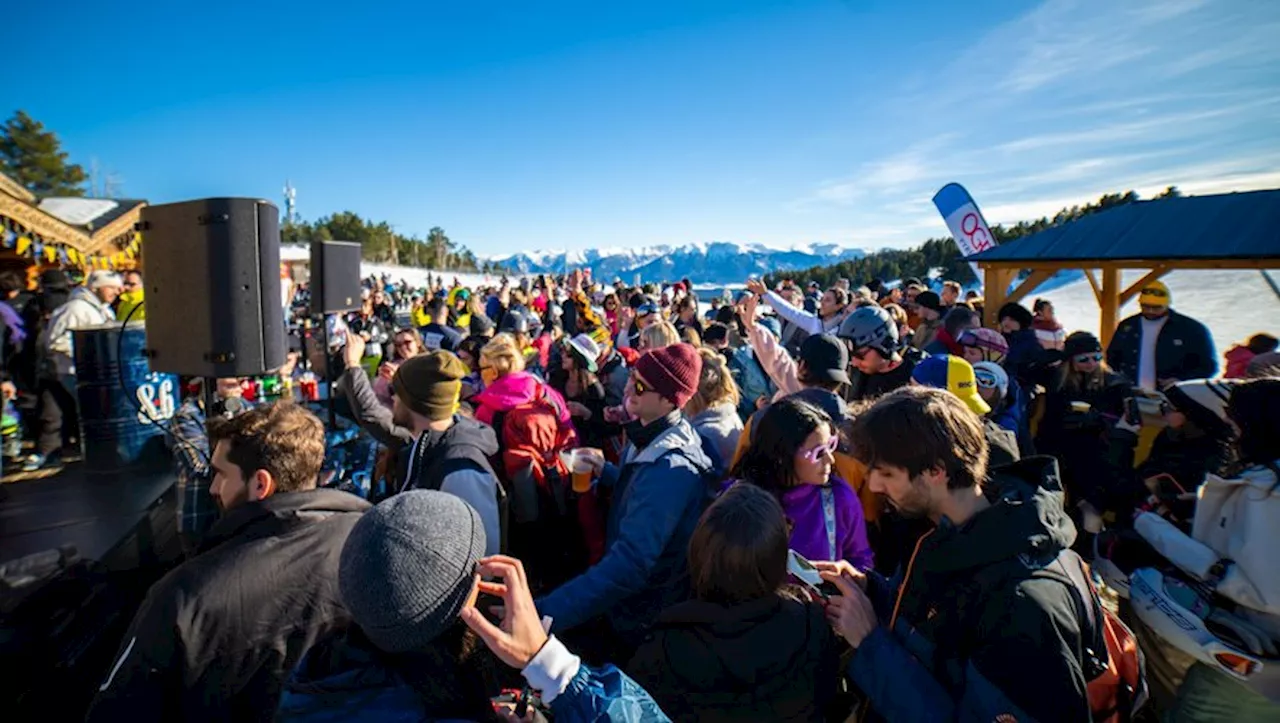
(965,221)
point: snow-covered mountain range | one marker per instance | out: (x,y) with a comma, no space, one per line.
(718,262)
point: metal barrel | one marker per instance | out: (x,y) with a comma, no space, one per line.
(125,408)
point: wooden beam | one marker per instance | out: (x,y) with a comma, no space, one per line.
(1138,285)
(1272,262)
(995,282)
(1110,305)
(1093,282)
(1029,284)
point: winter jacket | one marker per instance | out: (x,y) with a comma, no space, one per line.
(872,386)
(719,427)
(346,679)
(454,461)
(943,343)
(1238,358)
(659,492)
(1026,359)
(1050,334)
(215,639)
(614,375)
(804,509)
(752,380)
(974,637)
(510,391)
(1184,349)
(781,368)
(771,659)
(925,332)
(82,310)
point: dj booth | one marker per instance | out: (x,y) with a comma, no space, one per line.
(81,549)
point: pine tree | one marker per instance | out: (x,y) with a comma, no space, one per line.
(34,157)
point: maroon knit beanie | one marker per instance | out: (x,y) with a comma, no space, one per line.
(673,372)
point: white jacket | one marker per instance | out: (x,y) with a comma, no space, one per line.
(83,309)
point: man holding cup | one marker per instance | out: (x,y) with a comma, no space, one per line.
(660,489)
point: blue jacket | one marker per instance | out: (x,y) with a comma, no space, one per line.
(1026,357)
(659,494)
(344,679)
(753,382)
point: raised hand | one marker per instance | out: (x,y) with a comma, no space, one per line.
(520,635)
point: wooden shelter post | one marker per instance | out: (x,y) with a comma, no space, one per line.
(1110,304)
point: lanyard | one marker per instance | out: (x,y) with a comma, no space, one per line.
(829,513)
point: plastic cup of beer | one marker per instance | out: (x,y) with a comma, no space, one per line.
(1080,407)
(580,469)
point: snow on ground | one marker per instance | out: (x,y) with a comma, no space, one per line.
(1233,304)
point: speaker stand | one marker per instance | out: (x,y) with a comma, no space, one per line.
(328,376)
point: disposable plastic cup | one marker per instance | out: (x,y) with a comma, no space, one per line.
(580,469)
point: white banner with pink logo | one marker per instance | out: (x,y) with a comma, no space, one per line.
(965,222)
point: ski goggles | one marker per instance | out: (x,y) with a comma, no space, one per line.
(1093,356)
(814,454)
(986,380)
(646,309)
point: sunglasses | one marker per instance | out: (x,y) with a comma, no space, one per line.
(861,353)
(1093,356)
(639,387)
(1158,293)
(401,343)
(813,455)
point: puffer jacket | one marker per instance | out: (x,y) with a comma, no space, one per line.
(659,492)
(510,391)
(82,310)
(771,659)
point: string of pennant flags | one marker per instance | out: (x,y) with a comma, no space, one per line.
(32,245)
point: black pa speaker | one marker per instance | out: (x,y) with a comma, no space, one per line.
(213,304)
(335,276)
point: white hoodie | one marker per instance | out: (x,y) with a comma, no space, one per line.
(83,309)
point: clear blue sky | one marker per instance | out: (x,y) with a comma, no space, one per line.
(533,125)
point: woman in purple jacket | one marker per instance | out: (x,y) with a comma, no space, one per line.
(791,456)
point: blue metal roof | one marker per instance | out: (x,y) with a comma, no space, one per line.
(1230,226)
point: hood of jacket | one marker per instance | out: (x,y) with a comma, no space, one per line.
(758,647)
(280,512)
(84,294)
(680,436)
(465,432)
(720,415)
(1026,517)
(508,392)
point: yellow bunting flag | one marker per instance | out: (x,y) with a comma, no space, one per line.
(24,243)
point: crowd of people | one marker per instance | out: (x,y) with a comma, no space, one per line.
(603,502)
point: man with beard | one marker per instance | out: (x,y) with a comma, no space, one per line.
(985,624)
(434,446)
(216,637)
(1159,347)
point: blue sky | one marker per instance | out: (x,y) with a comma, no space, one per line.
(520,126)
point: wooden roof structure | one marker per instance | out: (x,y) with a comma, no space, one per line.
(1225,231)
(79,231)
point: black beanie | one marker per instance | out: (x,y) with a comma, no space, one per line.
(1080,342)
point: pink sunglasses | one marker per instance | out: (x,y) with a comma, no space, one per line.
(813,455)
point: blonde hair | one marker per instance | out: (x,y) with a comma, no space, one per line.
(658,335)
(715,385)
(503,354)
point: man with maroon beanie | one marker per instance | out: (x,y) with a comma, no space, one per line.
(660,489)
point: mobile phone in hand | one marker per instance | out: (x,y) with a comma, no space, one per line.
(804,571)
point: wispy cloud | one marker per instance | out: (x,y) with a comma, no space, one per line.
(1079,98)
